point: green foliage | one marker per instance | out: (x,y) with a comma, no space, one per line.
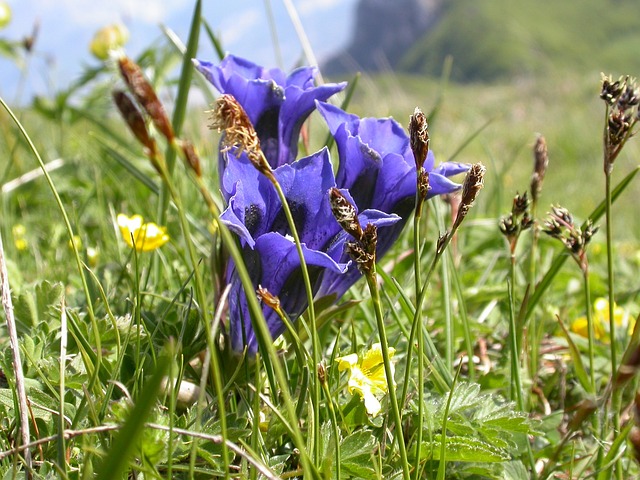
(489,40)
(137,325)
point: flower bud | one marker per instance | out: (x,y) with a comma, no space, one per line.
(5,14)
(108,40)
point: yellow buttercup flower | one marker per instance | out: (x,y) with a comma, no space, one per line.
(601,321)
(367,377)
(145,236)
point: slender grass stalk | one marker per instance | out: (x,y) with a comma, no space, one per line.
(315,350)
(590,328)
(62,459)
(393,399)
(272,362)
(21,393)
(93,369)
(274,33)
(202,302)
(122,447)
(334,418)
(515,390)
(442,464)
(417,264)
(555,267)
(180,107)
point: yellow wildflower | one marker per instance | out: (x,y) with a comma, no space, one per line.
(19,231)
(77,241)
(367,377)
(145,236)
(108,40)
(601,321)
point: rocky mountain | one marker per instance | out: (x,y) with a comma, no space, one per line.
(383,33)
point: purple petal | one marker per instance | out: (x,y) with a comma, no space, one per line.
(275,265)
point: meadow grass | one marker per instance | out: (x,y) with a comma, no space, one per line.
(492,370)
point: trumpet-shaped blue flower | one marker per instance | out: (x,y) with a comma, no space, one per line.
(378,169)
(377,174)
(255,214)
(276,104)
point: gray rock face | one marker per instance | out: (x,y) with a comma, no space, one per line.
(384,30)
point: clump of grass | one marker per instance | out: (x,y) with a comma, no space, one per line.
(479,367)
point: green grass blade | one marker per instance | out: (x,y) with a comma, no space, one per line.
(597,213)
(124,444)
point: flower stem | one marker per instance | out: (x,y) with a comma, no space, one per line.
(590,328)
(418,325)
(393,399)
(315,397)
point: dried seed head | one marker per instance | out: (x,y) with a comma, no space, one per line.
(135,121)
(345,213)
(419,135)
(146,96)
(191,157)
(363,252)
(362,259)
(268,299)
(611,89)
(370,239)
(508,226)
(472,185)
(541,161)
(322,373)
(229,117)
(520,204)
(630,97)
(423,183)
(560,225)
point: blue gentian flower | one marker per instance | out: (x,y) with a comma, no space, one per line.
(276,104)
(255,214)
(378,169)
(377,174)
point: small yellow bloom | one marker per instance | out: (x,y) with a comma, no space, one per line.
(77,241)
(108,40)
(145,236)
(19,231)
(93,255)
(367,377)
(601,321)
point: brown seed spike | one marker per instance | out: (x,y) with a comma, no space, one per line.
(267,298)
(541,161)
(146,96)
(191,156)
(419,135)
(134,119)
(345,213)
(472,185)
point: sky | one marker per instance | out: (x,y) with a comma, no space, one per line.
(67,27)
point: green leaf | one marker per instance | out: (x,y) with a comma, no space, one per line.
(464,449)
(36,305)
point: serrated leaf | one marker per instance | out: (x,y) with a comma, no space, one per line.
(35,305)
(464,449)
(357,444)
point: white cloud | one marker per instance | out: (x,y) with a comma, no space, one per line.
(238,25)
(307,7)
(90,13)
